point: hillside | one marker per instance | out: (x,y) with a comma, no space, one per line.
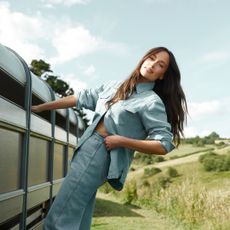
(112,214)
(190,155)
(190,199)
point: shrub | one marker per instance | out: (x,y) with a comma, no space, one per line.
(130,192)
(158,159)
(172,172)
(227,162)
(151,171)
(147,159)
(221,143)
(164,182)
(214,162)
(145,183)
(206,156)
(132,169)
(200,143)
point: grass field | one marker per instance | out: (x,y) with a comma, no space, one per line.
(195,199)
(112,214)
(187,149)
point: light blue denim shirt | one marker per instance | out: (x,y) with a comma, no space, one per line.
(141,116)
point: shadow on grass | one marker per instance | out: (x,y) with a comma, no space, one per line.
(132,206)
(99,225)
(105,208)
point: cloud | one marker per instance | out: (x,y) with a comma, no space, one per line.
(51,3)
(113,47)
(20,32)
(199,110)
(196,131)
(206,117)
(215,56)
(72,42)
(89,71)
(75,83)
(64,39)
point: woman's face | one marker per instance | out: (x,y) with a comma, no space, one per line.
(155,66)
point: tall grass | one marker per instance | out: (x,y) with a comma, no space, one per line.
(183,196)
(192,205)
(188,202)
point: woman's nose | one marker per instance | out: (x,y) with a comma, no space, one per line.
(153,64)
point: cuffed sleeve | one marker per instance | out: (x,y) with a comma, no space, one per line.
(154,119)
(87,98)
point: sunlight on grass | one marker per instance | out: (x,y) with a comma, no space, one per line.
(182,196)
(185,150)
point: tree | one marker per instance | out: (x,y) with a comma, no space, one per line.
(210,139)
(42,69)
(214,135)
(39,67)
(60,87)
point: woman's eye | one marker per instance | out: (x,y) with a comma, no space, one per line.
(161,65)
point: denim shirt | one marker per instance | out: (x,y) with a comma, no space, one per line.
(141,116)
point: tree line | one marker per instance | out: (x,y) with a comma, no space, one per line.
(201,141)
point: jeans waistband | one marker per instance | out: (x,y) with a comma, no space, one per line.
(98,135)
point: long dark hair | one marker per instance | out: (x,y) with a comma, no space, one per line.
(168,89)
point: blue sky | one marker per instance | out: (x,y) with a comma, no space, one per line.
(89,42)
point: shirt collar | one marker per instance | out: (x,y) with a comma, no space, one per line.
(144,86)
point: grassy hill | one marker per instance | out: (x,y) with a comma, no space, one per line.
(112,214)
(192,198)
(186,150)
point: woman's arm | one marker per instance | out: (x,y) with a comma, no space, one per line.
(144,146)
(66,102)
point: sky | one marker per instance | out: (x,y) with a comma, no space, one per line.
(90,42)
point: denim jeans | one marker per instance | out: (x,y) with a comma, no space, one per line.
(74,204)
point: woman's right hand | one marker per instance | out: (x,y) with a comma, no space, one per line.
(62,103)
(36,109)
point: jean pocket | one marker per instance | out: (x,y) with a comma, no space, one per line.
(129,107)
(91,145)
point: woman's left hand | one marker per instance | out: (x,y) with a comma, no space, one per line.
(113,141)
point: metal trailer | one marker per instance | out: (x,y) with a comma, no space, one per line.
(35,149)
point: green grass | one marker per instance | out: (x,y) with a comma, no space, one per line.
(112,214)
(187,149)
(210,180)
(195,199)
(108,208)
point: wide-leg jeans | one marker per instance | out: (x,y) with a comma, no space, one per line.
(74,204)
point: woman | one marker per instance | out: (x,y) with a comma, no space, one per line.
(145,113)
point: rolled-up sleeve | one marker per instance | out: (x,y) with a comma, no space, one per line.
(154,119)
(87,98)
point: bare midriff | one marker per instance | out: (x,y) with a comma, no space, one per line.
(101,129)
